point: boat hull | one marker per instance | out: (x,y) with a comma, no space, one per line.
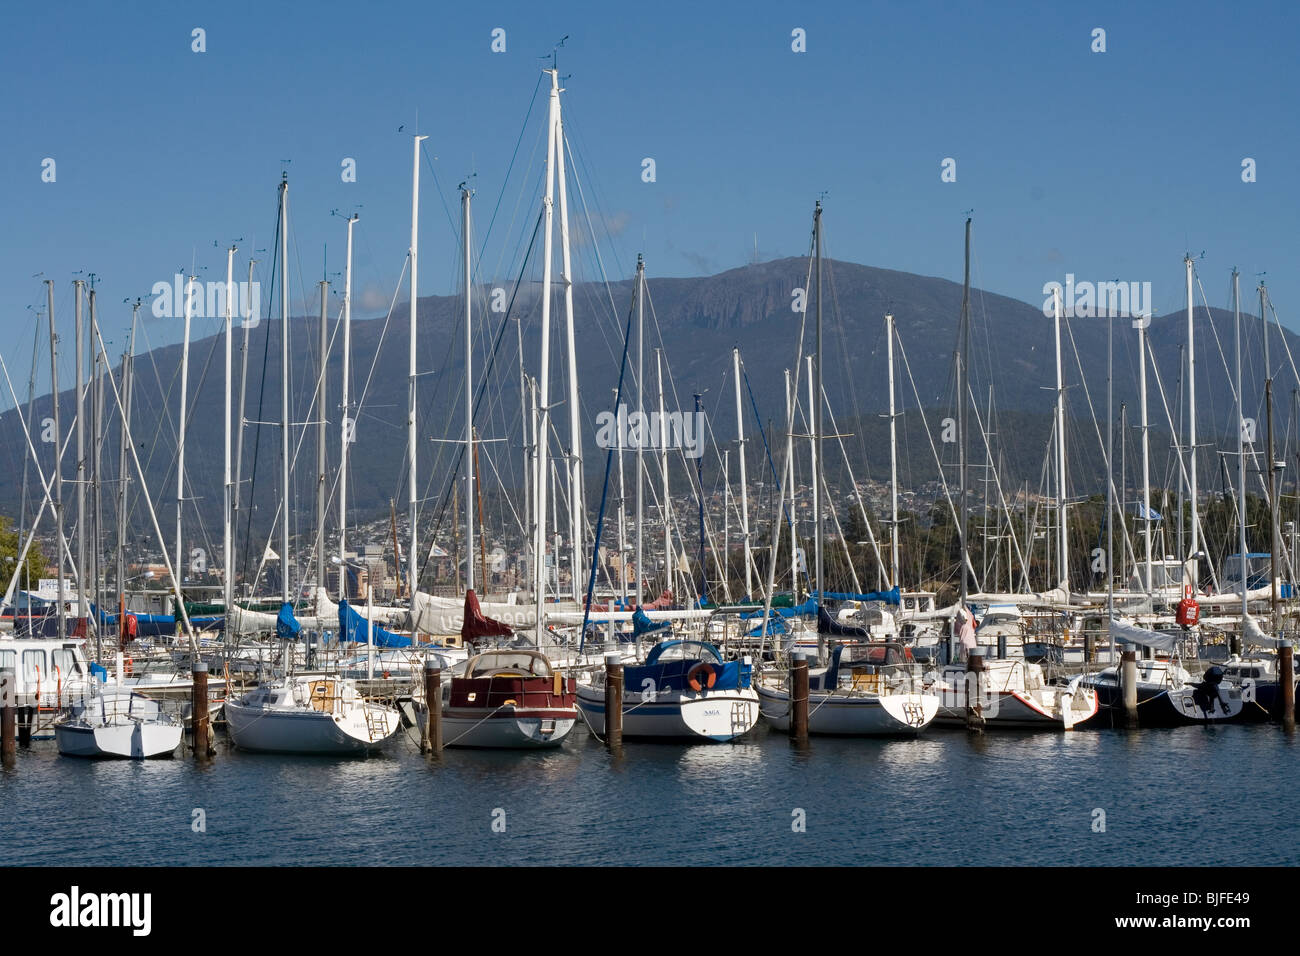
(302,732)
(719,716)
(133,740)
(857,715)
(507,727)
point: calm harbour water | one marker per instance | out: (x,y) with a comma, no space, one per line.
(1189,796)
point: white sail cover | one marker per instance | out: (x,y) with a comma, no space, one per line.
(239,621)
(442,615)
(1254,634)
(1156,640)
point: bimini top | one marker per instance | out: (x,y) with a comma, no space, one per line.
(683,650)
(519,663)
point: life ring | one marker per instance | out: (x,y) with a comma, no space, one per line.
(702,676)
(126,667)
(385,675)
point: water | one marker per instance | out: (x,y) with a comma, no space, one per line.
(1188,796)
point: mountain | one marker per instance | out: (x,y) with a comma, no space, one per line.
(696,322)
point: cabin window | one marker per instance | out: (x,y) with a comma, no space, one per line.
(65,661)
(8,660)
(33,661)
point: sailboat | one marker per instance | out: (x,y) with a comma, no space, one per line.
(879,697)
(684,689)
(116,722)
(303,714)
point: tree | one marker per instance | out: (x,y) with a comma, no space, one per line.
(9,547)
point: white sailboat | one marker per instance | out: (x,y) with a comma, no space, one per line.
(880,697)
(116,722)
(310,715)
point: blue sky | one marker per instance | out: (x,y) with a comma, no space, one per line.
(1107,165)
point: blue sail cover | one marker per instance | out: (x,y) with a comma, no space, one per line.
(641,623)
(892,596)
(774,626)
(807,609)
(352,627)
(286,625)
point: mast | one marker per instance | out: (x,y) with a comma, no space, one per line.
(665,509)
(1191,424)
(180,433)
(412,560)
(789,483)
(345,422)
(744,489)
(1273,509)
(1110,483)
(128,362)
(243,383)
(79,287)
(1062,574)
(323,345)
(641,429)
(1146,449)
(893,460)
(816,381)
(96,424)
(58,456)
(284,388)
(469,392)
(577,509)
(815,580)
(622,514)
(1241,444)
(541,458)
(699,480)
(963,337)
(227,531)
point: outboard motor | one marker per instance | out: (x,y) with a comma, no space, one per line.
(1206,694)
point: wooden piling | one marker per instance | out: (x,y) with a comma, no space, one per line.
(799,697)
(1130,668)
(8,717)
(1286,677)
(199,719)
(613,700)
(431,739)
(974,690)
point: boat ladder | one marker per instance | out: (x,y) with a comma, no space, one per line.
(376,724)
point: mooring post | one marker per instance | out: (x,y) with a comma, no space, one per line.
(8,716)
(1286,677)
(431,739)
(1130,684)
(974,690)
(799,697)
(613,700)
(26,717)
(199,712)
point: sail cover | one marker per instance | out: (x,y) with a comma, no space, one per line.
(641,624)
(353,627)
(476,625)
(286,625)
(892,596)
(1156,640)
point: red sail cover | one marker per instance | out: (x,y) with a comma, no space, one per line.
(476,625)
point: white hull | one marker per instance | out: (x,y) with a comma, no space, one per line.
(505,729)
(854,714)
(1047,708)
(304,731)
(131,740)
(711,715)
